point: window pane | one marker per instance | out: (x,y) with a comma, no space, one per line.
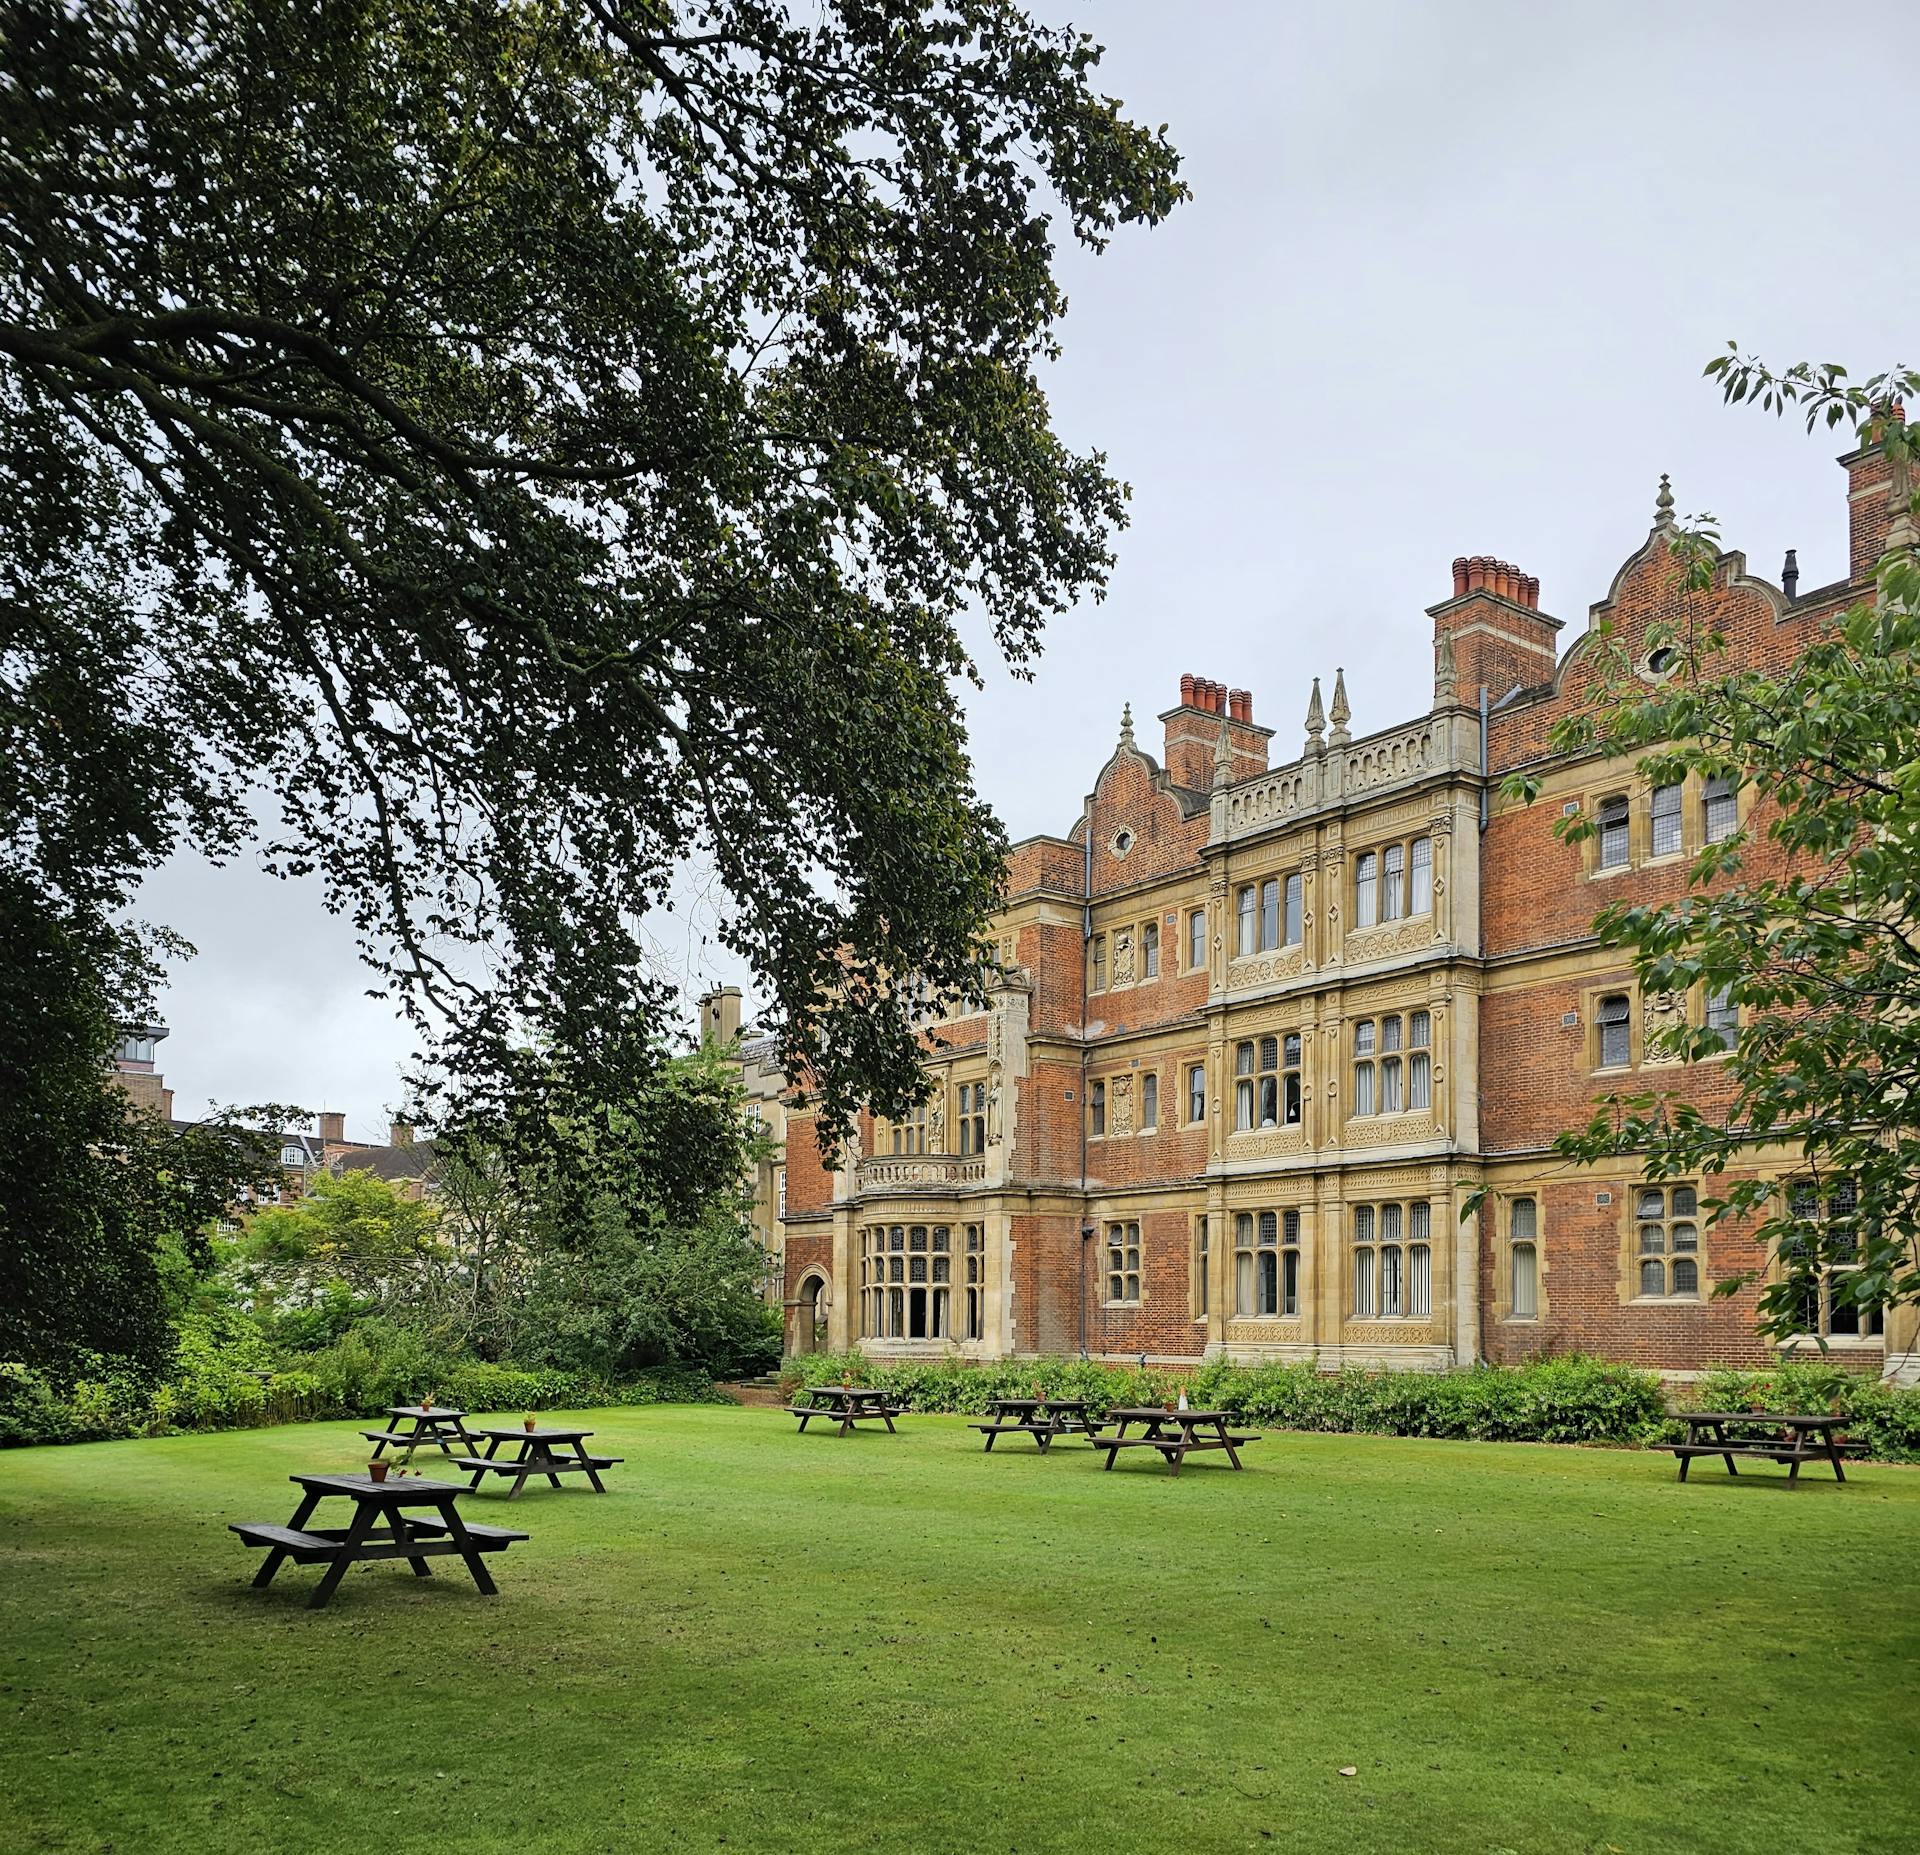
(1099,1107)
(1363,1037)
(1419,1080)
(1290,1281)
(1291,925)
(1363,1282)
(1389,1033)
(1197,939)
(1392,887)
(1686,1237)
(1269,1227)
(1723,811)
(1099,962)
(1686,1201)
(1653,1239)
(1666,820)
(1420,901)
(1390,1085)
(1269,1101)
(1243,1282)
(1419,1221)
(1243,1059)
(1196,1093)
(1652,1203)
(1269,1052)
(1363,1223)
(1524,1220)
(1363,1088)
(1523,1298)
(1150,1100)
(1290,1050)
(1653,1278)
(1365,890)
(1419,1030)
(1290,1227)
(1389,1223)
(1613,833)
(1390,1284)
(1242,1105)
(1249,925)
(1269,915)
(1686,1276)
(1150,950)
(1269,1283)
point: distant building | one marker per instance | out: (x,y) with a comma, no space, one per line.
(758,1054)
(401,1160)
(1259,1028)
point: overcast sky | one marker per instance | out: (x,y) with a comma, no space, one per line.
(1446,285)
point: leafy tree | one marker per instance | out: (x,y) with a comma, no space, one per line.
(1820,950)
(104,1208)
(533,443)
(354,1232)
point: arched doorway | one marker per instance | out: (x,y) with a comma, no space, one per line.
(809,1315)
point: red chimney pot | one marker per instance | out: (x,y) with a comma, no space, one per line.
(1186,690)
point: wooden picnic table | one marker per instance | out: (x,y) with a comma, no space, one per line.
(846,1404)
(1175,1434)
(542,1451)
(1794,1438)
(1043,1419)
(362,1538)
(433,1426)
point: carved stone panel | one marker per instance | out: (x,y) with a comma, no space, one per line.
(1123,957)
(1120,1105)
(1660,1011)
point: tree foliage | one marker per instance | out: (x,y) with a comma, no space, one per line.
(1818,943)
(535,443)
(101,1204)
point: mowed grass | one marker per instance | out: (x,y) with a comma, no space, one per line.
(766,1642)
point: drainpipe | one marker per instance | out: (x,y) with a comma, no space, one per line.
(1483,759)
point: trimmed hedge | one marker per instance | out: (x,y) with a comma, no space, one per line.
(225,1377)
(1567,1400)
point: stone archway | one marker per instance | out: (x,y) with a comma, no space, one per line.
(808,1310)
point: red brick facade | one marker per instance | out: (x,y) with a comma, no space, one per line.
(1377,983)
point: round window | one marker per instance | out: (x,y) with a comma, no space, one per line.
(1122,842)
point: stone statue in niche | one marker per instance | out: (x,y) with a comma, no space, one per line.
(993,1105)
(937,1123)
(1123,957)
(1661,1011)
(1120,1105)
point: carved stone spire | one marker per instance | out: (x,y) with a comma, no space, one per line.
(1223,758)
(1316,719)
(1126,725)
(1340,713)
(1663,504)
(1443,670)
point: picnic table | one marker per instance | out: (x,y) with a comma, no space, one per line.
(433,1426)
(1793,1439)
(1043,1419)
(362,1538)
(1175,1434)
(543,1451)
(846,1404)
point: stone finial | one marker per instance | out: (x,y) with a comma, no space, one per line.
(1126,725)
(1341,713)
(1443,670)
(1663,504)
(1316,718)
(1223,759)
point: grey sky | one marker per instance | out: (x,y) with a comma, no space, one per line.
(1446,286)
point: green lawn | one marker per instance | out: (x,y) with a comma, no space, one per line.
(764,1642)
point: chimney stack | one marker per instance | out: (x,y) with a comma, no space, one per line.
(720,1015)
(399,1133)
(1493,629)
(333,1128)
(1193,733)
(1790,574)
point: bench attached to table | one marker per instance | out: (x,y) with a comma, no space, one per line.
(846,1409)
(380,1529)
(1176,1435)
(1796,1439)
(1039,1418)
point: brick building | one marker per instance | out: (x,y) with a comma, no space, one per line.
(404,1162)
(1260,1026)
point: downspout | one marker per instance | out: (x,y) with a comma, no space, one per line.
(1480,940)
